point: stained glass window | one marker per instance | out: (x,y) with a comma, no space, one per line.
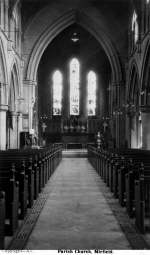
(74,86)
(91,93)
(135,27)
(57,93)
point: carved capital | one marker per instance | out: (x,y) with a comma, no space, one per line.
(3,108)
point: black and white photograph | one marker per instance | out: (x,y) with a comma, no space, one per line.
(74,126)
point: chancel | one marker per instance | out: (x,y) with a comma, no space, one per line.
(75,125)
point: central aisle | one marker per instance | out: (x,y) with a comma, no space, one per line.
(76,214)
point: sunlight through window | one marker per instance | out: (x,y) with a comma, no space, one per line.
(74,86)
(57,93)
(135,27)
(91,91)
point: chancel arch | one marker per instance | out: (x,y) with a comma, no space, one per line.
(63,22)
(86,73)
(96,30)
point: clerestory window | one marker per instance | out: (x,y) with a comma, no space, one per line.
(135,27)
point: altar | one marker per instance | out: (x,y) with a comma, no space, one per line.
(74,133)
(75,140)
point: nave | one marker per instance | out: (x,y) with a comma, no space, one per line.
(79,214)
(67,82)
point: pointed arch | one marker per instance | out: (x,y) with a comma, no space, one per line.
(145,76)
(58,26)
(14,88)
(3,75)
(16,72)
(134,83)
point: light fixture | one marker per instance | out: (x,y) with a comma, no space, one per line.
(74,38)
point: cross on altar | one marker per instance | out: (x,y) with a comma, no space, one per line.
(44,126)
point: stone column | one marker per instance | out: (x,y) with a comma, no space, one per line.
(3,110)
(6,17)
(127,130)
(2,13)
(65,95)
(145,118)
(117,101)
(29,99)
(19,128)
(83,94)
(13,132)
(142,18)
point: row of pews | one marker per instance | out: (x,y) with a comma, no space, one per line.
(127,174)
(23,175)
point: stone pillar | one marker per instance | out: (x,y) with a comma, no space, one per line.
(142,18)
(65,95)
(145,118)
(134,133)
(6,17)
(83,94)
(100,97)
(127,130)
(19,128)
(3,110)
(2,13)
(117,101)
(29,99)
(13,132)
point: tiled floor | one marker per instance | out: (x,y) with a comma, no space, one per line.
(76,214)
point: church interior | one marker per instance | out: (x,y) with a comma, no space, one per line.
(75,124)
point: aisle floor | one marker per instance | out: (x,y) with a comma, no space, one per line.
(76,214)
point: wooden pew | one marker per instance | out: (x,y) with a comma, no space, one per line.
(39,165)
(128,175)
(134,174)
(22,179)
(24,175)
(16,197)
(11,188)
(142,203)
(2,220)
(30,160)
